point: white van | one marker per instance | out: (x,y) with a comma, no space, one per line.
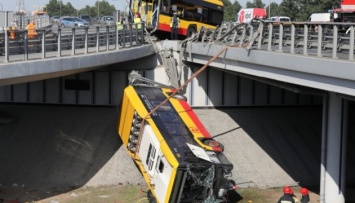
(320,17)
(280,19)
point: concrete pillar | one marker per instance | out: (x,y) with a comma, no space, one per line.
(333,176)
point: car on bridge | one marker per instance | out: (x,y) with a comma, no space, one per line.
(55,19)
(68,21)
(87,18)
(106,21)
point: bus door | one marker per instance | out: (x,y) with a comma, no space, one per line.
(162,177)
(148,151)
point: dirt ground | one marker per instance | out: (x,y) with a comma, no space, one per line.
(130,194)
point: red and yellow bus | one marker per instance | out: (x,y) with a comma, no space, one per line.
(193,14)
(178,158)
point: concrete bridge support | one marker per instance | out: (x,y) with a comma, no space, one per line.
(335,121)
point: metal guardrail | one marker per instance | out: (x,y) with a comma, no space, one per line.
(55,42)
(332,40)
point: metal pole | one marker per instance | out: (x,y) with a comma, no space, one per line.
(59,43)
(269,9)
(60,8)
(43,44)
(26,45)
(324,144)
(351,49)
(281,33)
(292,51)
(117,37)
(86,40)
(98,9)
(6,38)
(305,39)
(335,41)
(319,44)
(270,37)
(97,39)
(107,37)
(73,42)
(130,34)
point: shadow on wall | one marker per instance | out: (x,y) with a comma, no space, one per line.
(54,149)
(291,136)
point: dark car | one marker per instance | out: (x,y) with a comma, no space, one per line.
(87,18)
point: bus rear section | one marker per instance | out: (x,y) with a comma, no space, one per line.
(192,15)
(165,146)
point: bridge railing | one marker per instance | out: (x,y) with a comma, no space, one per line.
(334,40)
(67,41)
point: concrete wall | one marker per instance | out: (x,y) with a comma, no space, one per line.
(105,87)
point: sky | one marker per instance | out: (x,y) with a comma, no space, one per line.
(31,5)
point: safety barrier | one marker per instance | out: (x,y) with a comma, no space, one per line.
(332,40)
(57,42)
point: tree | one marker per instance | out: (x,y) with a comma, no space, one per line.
(103,8)
(290,8)
(230,10)
(68,10)
(53,8)
(255,4)
(236,8)
(274,9)
(88,11)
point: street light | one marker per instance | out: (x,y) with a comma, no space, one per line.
(60,8)
(98,9)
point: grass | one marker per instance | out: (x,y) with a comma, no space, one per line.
(137,194)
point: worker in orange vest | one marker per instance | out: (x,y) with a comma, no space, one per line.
(12,32)
(31,29)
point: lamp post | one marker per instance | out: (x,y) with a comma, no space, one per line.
(60,8)
(269,9)
(98,9)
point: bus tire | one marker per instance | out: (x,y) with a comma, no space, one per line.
(190,31)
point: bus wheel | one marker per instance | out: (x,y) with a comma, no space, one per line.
(191,31)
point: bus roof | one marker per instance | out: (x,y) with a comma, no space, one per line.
(213,4)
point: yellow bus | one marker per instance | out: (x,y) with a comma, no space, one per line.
(179,160)
(193,14)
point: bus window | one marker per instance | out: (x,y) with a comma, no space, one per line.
(165,7)
(216,17)
(205,15)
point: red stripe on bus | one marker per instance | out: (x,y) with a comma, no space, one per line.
(167,28)
(195,119)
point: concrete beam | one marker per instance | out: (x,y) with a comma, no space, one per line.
(19,72)
(326,74)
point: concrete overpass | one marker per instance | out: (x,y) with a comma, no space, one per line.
(270,70)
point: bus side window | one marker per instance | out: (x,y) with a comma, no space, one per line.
(150,157)
(160,165)
(165,6)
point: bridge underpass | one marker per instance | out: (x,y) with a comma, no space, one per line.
(239,91)
(273,136)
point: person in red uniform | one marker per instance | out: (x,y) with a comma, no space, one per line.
(286,198)
(305,195)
